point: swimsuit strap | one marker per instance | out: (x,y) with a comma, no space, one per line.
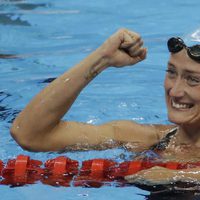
(163,143)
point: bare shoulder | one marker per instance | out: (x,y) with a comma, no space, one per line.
(144,134)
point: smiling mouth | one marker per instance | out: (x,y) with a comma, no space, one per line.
(181,106)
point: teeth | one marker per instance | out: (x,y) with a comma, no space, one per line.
(180,105)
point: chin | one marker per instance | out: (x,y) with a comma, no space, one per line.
(176,120)
(180,118)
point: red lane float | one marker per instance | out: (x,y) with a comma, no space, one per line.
(60,171)
(172,165)
(131,167)
(63,171)
(21,171)
(188,165)
(1,166)
(94,173)
(125,168)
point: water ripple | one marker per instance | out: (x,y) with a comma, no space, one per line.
(39,12)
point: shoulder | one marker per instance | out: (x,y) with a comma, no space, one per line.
(146,134)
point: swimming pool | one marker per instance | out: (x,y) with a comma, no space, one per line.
(48,37)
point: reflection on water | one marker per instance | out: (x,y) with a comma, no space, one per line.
(7,56)
(29,6)
(48,80)
(3,95)
(6,113)
(178,191)
(23,4)
(175,195)
(11,19)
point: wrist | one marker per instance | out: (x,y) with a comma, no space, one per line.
(104,55)
(98,64)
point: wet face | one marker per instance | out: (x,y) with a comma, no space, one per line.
(182,89)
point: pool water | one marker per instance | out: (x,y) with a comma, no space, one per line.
(40,39)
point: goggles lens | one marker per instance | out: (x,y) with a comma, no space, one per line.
(194,52)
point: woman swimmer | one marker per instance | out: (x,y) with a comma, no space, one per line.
(39,127)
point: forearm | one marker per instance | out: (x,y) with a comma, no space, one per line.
(48,107)
(191,175)
(181,175)
(160,175)
(188,175)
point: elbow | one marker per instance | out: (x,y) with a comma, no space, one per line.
(30,139)
(22,138)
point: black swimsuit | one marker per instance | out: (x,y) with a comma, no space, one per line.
(153,152)
(164,142)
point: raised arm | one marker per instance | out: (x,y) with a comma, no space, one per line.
(39,127)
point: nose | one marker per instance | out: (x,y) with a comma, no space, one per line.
(177,89)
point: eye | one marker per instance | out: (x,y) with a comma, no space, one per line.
(192,80)
(171,73)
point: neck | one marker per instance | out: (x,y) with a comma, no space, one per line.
(189,134)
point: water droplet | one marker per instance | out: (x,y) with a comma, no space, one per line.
(66,80)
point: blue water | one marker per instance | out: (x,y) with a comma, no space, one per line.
(49,37)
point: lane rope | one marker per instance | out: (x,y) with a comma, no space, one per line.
(63,171)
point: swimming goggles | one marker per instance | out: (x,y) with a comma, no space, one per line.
(176,44)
